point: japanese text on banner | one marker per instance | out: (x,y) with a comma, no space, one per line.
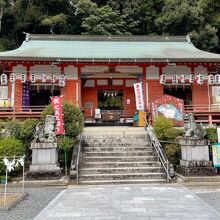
(57,107)
(139,97)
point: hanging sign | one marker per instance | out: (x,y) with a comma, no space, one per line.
(57,108)
(139,96)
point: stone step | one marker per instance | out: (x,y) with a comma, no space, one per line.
(118,153)
(121,158)
(115,142)
(120,164)
(122,176)
(119,170)
(114,135)
(136,181)
(116,149)
(113,128)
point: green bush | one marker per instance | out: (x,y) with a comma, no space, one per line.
(10,147)
(65,142)
(211,134)
(161,125)
(27,130)
(165,132)
(73,118)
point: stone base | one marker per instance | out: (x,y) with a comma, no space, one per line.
(196,171)
(196,163)
(44,175)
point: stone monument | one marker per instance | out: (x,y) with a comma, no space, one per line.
(44,150)
(194,150)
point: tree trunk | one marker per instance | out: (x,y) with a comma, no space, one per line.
(1,15)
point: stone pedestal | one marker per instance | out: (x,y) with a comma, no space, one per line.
(44,160)
(195,158)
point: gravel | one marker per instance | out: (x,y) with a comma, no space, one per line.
(36,200)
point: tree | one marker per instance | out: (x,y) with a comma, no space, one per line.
(104,21)
(205,38)
(180,17)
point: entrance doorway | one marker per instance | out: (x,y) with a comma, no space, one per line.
(40,94)
(110,100)
(179,91)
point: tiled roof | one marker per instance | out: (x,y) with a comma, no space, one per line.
(103,48)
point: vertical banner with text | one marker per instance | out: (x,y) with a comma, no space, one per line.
(57,108)
(139,96)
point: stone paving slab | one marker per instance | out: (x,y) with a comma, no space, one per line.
(127,203)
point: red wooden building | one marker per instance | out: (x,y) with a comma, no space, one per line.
(98,72)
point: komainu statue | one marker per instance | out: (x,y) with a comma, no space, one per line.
(193,129)
(45,132)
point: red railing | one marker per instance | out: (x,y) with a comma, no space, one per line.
(202,113)
(21,112)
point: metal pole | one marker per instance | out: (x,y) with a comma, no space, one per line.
(6,183)
(65,159)
(23,181)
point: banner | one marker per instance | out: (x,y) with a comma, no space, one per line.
(139,97)
(57,107)
(216,154)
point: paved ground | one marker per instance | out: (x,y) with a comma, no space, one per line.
(36,200)
(127,203)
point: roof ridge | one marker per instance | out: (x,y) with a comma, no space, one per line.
(142,38)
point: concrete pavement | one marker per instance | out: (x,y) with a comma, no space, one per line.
(127,202)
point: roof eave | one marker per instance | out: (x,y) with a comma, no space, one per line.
(110,60)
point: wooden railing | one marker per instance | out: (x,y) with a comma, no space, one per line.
(16,112)
(202,113)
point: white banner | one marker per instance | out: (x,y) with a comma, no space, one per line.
(139,96)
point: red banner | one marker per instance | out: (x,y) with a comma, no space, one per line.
(57,108)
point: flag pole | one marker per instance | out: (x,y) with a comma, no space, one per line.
(23,178)
(6,183)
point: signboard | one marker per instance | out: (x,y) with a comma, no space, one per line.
(4,103)
(170,107)
(26,96)
(218,133)
(57,107)
(216,154)
(139,96)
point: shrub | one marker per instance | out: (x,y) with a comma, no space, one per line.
(165,132)
(65,142)
(73,118)
(27,130)
(10,147)
(161,124)
(211,134)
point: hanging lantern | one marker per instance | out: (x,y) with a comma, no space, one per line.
(174,80)
(211,79)
(62,80)
(23,77)
(43,78)
(163,79)
(33,78)
(199,79)
(4,79)
(53,79)
(12,78)
(183,78)
(217,79)
(105,93)
(191,78)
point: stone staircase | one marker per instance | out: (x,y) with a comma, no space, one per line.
(118,155)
